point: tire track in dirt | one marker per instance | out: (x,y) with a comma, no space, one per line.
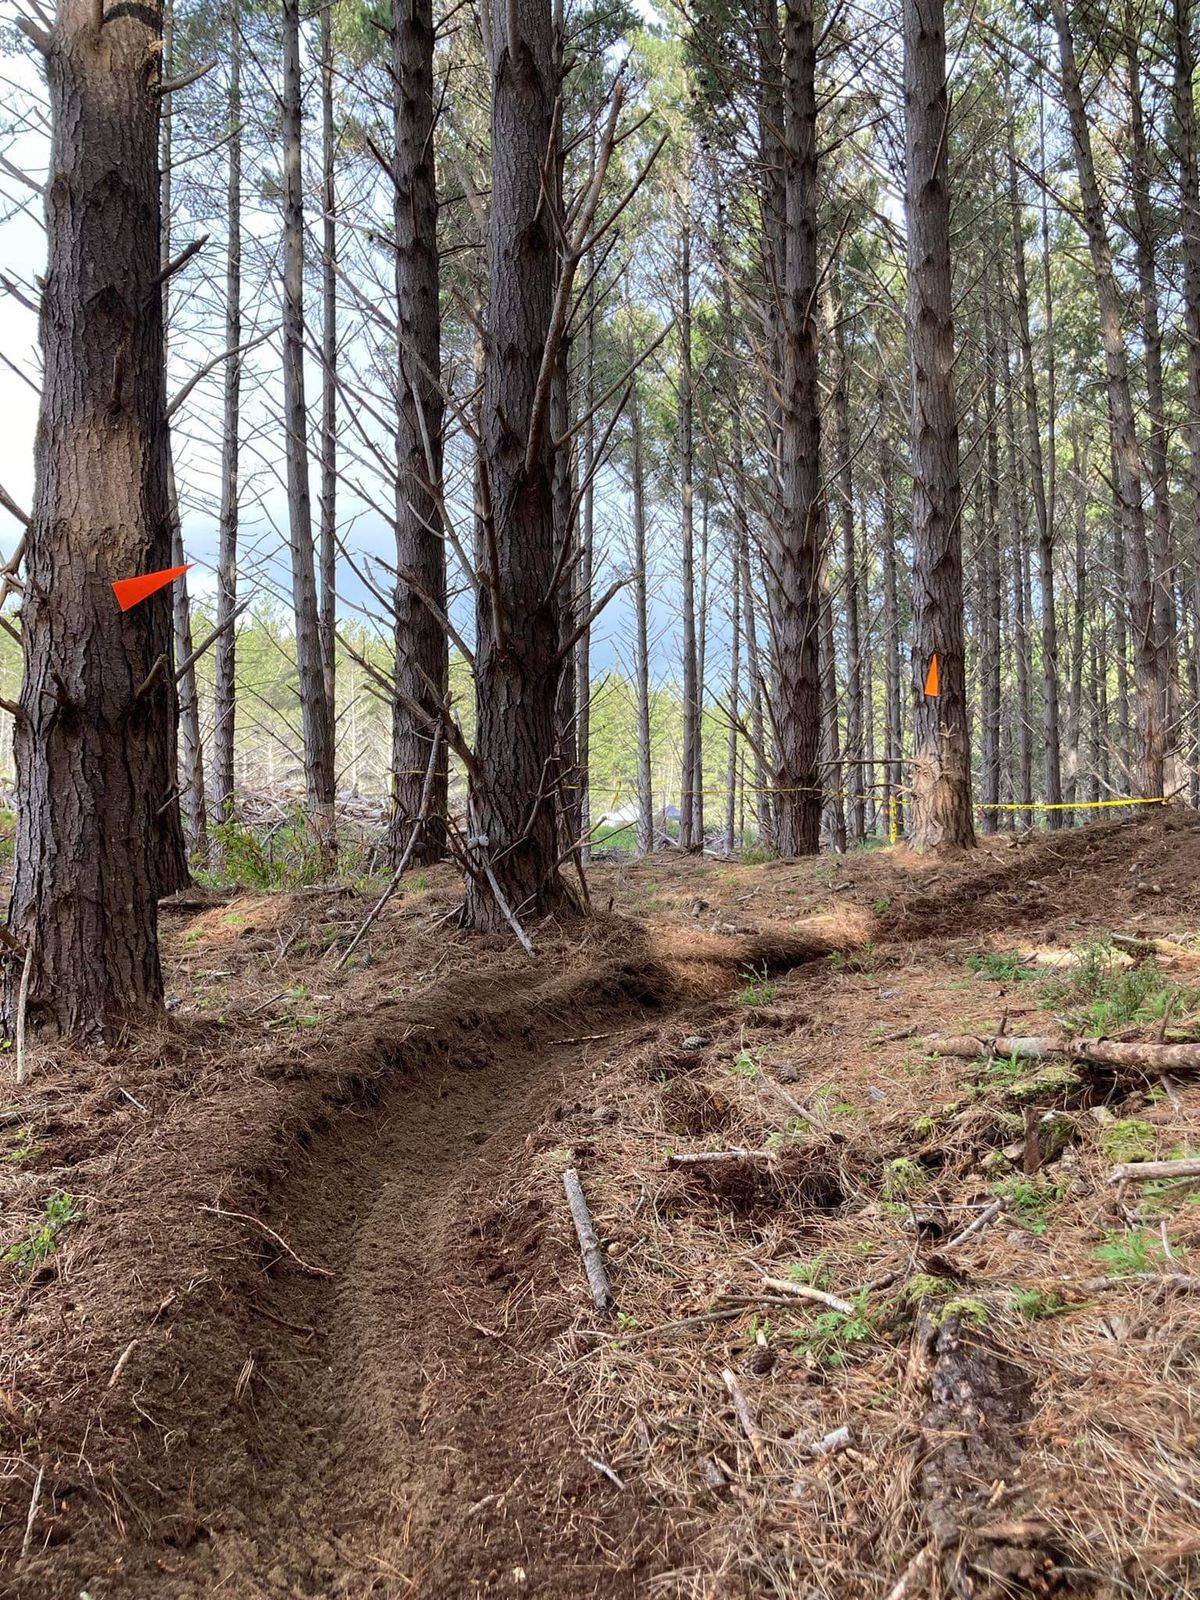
(427,1440)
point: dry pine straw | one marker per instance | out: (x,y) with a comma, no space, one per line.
(1109,1461)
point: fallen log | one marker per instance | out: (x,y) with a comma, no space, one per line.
(1156,1058)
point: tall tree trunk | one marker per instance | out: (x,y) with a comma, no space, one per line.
(645,794)
(833,811)
(688,838)
(1150,676)
(941,806)
(329,356)
(224,689)
(1078,618)
(1162,574)
(94,741)
(190,751)
(316,720)
(421,664)
(1189,194)
(583,571)
(735,662)
(1051,753)
(794,563)
(701,648)
(893,700)
(989,592)
(513,777)
(855,775)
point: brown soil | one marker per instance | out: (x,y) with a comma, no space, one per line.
(322,1329)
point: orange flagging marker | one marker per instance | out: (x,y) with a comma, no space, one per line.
(129,591)
(933,683)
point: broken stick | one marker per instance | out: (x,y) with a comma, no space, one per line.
(745,1416)
(589,1243)
(1139,1171)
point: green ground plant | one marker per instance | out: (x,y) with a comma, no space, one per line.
(59,1212)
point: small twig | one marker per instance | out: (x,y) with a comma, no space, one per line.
(839,1439)
(977,1225)
(745,1416)
(169,85)
(181,260)
(589,1244)
(583,1038)
(206,644)
(123,1362)
(704,1158)
(244,1216)
(133,1101)
(806,1291)
(606,1470)
(27,1541)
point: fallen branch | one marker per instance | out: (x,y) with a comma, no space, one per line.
(417,830)
(22,1003)
(703,1158)
(589,1244)
(806,1291)
(745,1416)
(1140,1171)
(1155,1058)
(244,1216)
(912,1575)
(985,1218)
(27,1541)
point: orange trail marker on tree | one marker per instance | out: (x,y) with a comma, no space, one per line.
(129,591)
(933,683)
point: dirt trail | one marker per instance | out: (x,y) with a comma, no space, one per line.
(409,1443)
(343,1395)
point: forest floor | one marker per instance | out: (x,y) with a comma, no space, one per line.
(293,1303)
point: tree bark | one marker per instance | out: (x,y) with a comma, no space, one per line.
(941,805)
(315,710)
(794,562)
(422,665)
(94,757)
(513,781)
